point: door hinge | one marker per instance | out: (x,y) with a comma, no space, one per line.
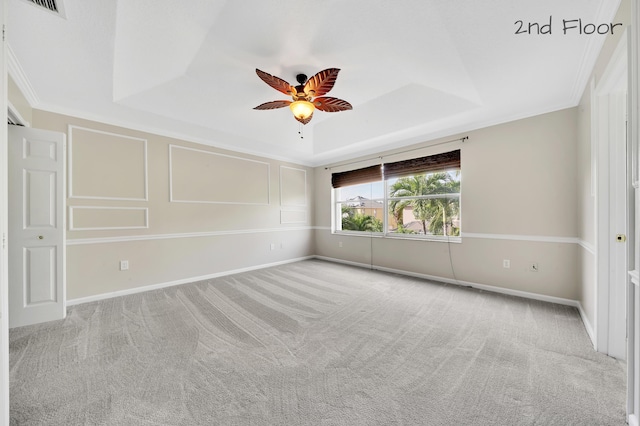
(3,30)
(4,240)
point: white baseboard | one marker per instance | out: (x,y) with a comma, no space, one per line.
(135,290)
(494,289)
(587,325)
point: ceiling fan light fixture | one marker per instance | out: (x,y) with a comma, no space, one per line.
(302,109)
(307,96)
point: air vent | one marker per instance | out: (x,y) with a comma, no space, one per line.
(52,6)
(12,121)
(47,4)
(13,116)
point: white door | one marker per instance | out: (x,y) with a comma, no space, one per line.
(36,226)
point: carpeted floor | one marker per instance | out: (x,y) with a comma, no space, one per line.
(314,343)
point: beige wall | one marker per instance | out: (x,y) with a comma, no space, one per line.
(516,181)
(518,186)
(173,209)
(586,201)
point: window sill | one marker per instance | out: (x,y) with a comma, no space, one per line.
(430,238)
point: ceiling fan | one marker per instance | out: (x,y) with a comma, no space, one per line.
(307,95)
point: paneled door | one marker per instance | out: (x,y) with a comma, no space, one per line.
(36,226)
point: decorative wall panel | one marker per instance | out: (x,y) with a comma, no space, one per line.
(206,177)
(293,186)
(106,165)
(83,218)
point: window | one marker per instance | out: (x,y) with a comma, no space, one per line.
(361,207)
(417,198)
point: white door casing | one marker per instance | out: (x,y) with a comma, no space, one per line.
(4,305)
(618,264)
(633,323)
(36,226)
(612,190)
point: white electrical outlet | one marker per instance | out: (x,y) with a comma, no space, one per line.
(533,266)
(506,263)
(340,244)
(124,265)
(273,246)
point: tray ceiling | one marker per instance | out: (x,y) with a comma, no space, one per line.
(413,70)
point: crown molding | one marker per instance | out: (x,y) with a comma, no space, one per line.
(20,78)
(591,53)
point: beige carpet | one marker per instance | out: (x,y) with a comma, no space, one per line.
(314,343)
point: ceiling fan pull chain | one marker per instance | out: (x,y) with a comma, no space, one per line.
(301,130)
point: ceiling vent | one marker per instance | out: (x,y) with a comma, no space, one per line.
(47,4)
(54,6)
(13,120)
(14,117)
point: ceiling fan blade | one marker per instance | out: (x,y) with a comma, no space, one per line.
(277,83)
(304,120)
(322,82)
(273,105)
(329,104)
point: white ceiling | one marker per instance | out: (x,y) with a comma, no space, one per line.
(413,70)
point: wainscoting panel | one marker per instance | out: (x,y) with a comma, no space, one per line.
(83,218)
(106,166)
(198,176)
(293,187)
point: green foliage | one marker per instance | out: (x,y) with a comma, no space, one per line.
(402,230)
(352,221)
(436,214)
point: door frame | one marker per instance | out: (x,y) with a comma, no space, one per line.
(633,307)
(4,289)
(614,75)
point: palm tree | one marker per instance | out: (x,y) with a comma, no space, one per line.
(359,222)
(408,187)
(438,212)
(397,209)
(444,211)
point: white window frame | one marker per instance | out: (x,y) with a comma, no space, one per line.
(336,220)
